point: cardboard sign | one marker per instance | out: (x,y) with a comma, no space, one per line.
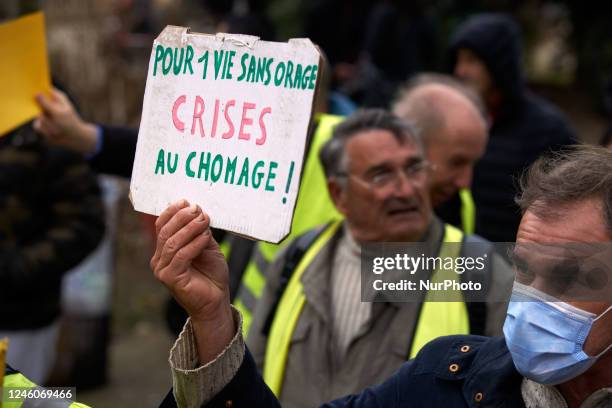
(24,70)
(224,125)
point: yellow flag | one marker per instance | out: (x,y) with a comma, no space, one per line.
(24,70)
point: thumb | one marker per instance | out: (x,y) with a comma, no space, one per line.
(47,104)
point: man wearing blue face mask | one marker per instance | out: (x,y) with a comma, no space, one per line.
(557,344)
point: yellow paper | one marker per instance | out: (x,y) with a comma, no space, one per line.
(24,70)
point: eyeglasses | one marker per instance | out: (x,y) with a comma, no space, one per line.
(385,178)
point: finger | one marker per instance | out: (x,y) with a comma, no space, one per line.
(47,104)
(168,213)
(181,261)
(47,128)
(162,220)
(197,227)
(179,219)
(60,97)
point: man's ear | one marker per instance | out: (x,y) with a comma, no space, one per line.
(337,194)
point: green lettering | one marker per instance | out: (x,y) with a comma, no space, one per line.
(288,76)
(244,174)
(243,65)
(230,64)
(313,77)
(159,56)
(230,169)
(271,176)
(172,167)
(204,58)
(261,69)
(257,176)
(167,53)
(305,77)
(204,165)
(252,68)
(298,76)
(279,80)
(218,61)
(216,170)
(268,73)
(178,62)
(160,162)
(188,60)
(190,173)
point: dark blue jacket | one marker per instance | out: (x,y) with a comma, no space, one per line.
(524,127)
(453,371)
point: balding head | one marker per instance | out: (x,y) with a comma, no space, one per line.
(450,120)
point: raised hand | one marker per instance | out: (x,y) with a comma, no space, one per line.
(188,262)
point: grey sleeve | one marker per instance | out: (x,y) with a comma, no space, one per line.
(193,384)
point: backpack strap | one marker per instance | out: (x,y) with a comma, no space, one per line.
(295,253)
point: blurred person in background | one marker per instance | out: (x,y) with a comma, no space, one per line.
(485,52)
(451,121)
(51,219)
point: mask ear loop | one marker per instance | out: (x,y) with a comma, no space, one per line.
(610,345)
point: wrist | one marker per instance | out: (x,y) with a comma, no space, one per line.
(87,138)
(213,333)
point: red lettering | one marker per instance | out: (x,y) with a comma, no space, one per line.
(178,124)
(262,126)
(198,111)
(230,131)
(245,121)
(213,131)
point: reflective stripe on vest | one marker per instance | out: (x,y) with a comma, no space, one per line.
(313,208)
(18,380)
(287,315)
(293,299)
(468,211)
(449,317)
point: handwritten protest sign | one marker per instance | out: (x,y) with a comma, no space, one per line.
(224,125)
(24,70)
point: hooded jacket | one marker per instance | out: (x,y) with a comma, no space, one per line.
(523,127)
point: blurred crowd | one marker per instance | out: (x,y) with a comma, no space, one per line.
(438,94)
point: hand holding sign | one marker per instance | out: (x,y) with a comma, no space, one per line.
(188,261)
(225,120)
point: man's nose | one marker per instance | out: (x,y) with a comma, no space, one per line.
(404,185)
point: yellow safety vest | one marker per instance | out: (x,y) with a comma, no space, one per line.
(16,380)
(468,211)
(436,318)
(313,208)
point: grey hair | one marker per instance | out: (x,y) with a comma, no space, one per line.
(333,153)
(573,174)
(429,117)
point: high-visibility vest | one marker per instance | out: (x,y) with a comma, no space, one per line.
(314,207)
(17,381)
(435,319)
(468,211)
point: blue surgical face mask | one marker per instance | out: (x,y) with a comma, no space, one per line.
(546,336)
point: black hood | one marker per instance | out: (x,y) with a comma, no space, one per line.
(496,39)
